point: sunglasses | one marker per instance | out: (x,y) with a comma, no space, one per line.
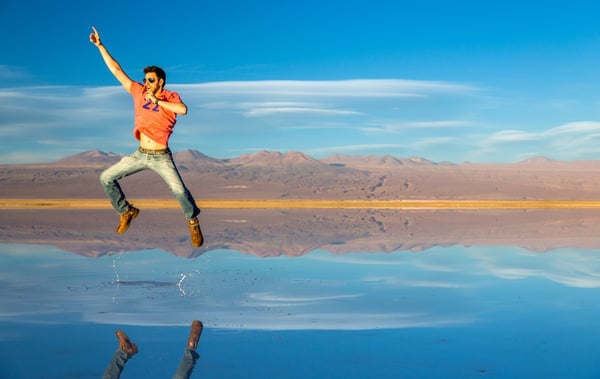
(151,80)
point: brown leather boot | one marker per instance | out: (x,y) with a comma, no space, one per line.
(126,219)
(125,344)
(195,332)
(195,232)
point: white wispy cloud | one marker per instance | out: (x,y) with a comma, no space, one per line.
(13,72)
(572,140)
(435,124)
(512,136)
(357,148)
(395,127)
(426,143)
(580,130)
(333,88)
(299,110)
(576,127)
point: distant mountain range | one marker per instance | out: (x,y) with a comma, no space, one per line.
(295,175)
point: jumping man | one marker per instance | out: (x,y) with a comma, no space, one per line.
(156,110)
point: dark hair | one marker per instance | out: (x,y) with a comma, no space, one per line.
(160,73)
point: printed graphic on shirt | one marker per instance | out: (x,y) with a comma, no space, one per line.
(147,106)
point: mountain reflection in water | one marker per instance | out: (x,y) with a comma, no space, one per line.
(297,232)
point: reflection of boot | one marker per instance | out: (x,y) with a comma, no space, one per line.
(195,232)
(125,345)
(195,332)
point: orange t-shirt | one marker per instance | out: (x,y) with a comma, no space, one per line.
(153,120)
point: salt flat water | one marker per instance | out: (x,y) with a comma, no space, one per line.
(445,312)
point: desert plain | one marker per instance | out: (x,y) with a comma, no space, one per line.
(271,203)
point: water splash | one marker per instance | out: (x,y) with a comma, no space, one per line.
(115,268)
(180,284)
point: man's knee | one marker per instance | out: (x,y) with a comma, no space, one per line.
(105,177)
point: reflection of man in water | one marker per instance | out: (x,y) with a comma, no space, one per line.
(156,110)
(128,349)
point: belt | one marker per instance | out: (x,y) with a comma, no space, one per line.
(154,152)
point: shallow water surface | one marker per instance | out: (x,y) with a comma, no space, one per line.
(444,312)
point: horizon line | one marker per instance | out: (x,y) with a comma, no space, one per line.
(15,204)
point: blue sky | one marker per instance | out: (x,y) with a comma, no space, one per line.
(447,81)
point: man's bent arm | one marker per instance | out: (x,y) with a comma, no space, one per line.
(179,108)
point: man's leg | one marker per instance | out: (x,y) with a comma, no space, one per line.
(126,350)
(109,180)
(190,356)
(164,166)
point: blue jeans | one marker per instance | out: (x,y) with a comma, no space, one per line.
(162,164)
(120,358)
(187,364)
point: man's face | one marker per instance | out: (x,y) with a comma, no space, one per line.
(152,83)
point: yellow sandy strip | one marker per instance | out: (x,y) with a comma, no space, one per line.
(306,204)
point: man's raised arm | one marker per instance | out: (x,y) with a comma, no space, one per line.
(111,63)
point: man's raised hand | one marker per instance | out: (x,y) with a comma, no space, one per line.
(95,37)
